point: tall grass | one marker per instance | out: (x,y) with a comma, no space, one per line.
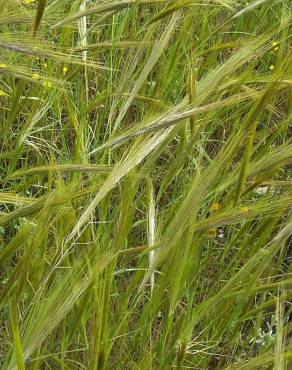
(145,184)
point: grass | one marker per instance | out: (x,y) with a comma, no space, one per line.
(145,184)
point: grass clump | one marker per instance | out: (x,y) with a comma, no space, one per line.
(145,185)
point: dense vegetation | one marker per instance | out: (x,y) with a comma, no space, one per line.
(145,184)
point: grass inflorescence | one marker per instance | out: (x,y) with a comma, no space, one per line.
(145,184)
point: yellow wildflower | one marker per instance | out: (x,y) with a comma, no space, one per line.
(65,70)
(212,232)
(274,43)
(244,209)
(47,84)
(3,65)
(272,67)
(216,207)
(27,2)
(2,93)
(35,76)
(276,49)
(45,65)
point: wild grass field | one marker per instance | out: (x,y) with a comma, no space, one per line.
(145,184)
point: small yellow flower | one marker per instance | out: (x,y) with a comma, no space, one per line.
(28,1)
(3,65)
(216,207)
(35,76)
(244,209)
(45,65)
(65,70)
(212,232)
(276,49)
(47,84)
(274,43)
(272,67)
(2,93)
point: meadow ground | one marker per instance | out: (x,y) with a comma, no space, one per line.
(145,184)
